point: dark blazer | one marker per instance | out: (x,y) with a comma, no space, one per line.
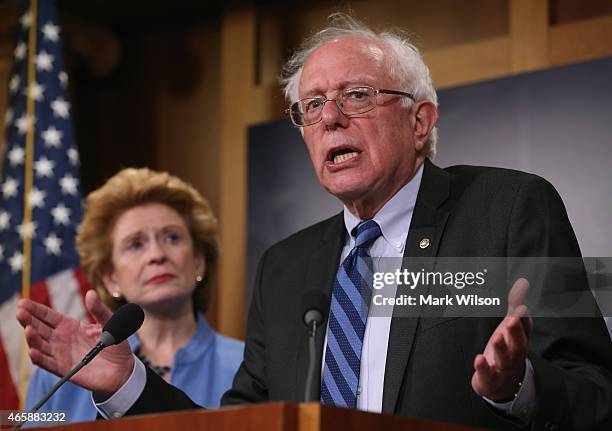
(463,211)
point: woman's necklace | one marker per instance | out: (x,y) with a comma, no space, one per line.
(160,370)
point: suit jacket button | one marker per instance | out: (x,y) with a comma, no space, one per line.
(424,243)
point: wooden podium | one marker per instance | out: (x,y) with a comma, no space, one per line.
(267,417)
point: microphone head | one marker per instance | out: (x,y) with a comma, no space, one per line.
(314,306)
(123,323)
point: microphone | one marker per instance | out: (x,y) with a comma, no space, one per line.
(123,323)
(314,302)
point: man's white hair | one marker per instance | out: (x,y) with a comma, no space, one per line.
(403,59)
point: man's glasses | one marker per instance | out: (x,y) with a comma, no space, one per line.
(351,101)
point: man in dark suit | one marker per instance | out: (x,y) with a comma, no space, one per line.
(367,109)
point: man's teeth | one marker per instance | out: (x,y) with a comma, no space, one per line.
(343,157)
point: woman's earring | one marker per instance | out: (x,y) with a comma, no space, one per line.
(116,295)
(199,279)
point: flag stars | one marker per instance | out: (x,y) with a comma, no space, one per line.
(5,219)
(44,167)
(27,230)
(23,124)
(60,107)
(14,84)
(16,156)
(53,244)
(35,91)
(37,198)
(63,78)
(44,61)
(73,156)
(69,184)
(52,137)
(50,32)
(26,20)
(20,51)
(9,188)
(8,117)
(16,262)
(61,214)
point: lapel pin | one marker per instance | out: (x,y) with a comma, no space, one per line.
(424,243)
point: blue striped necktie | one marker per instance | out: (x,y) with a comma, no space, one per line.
(347,320)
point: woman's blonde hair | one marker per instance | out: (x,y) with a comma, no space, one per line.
(133,187)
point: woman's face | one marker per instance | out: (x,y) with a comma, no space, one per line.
(154,264)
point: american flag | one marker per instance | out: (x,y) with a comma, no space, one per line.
(40,199)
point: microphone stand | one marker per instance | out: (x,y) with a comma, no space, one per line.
(86,360)
(312,332)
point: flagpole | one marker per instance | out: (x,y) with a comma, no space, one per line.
(27,207)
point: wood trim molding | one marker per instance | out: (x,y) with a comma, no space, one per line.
(581,41)
(238,50)
(470,62)
(528,34)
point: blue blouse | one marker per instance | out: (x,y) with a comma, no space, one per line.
(204,369)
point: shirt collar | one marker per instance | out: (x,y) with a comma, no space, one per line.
(393,218)
(199,342)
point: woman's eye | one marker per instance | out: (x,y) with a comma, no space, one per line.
(172,237)
(134,245)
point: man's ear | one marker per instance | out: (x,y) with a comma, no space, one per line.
(425,118)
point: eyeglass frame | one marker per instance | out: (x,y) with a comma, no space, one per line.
(324,100)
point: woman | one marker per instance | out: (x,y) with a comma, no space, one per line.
(149,238)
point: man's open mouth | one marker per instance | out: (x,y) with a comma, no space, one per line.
(342,155)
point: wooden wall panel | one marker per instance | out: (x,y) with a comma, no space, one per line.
(469,62)
(581,41)
(568,11)
(238,79)
(528,34)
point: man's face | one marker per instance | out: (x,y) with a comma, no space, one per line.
(379,145)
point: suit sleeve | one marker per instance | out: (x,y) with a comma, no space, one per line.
(159,396)
(571,356)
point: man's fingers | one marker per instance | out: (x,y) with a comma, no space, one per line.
(516,336)
(526,321)
(44,361)
(501,353)
(35,341)
(41,328)
(517,295)
(484,375)
(43,313)
(96,307)
(485,371)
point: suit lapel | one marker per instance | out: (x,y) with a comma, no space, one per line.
(322,268)
(426,228)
